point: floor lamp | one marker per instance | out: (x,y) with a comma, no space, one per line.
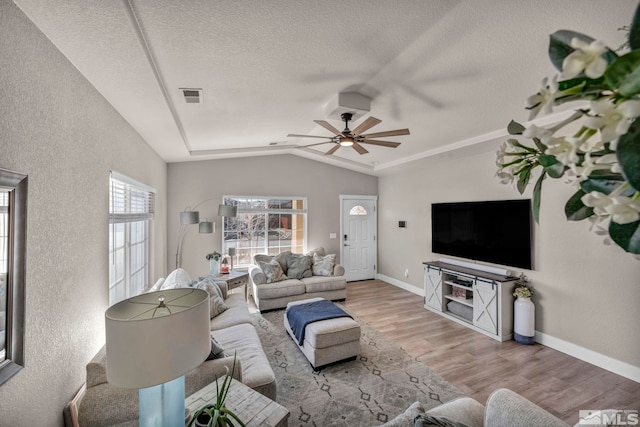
(154,339)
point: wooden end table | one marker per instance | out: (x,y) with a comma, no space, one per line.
(235,279)
(253,408)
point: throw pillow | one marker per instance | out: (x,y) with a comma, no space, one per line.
(281,258)
(272,270)
(217,351)
(406,418)
(319,251)
(178,278)
(323,265)
(213,283)
(298,266)
(426,420)
(216,303)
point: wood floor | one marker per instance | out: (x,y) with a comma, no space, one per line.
(477,365)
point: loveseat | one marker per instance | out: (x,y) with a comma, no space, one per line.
(504,408)
(104,404)
(280,279)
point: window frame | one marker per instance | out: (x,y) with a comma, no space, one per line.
(13,362)
(229,200)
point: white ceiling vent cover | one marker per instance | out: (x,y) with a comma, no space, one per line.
(192,95)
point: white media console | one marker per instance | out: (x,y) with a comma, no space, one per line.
(468,294)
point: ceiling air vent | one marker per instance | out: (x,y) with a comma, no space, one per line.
(192,96)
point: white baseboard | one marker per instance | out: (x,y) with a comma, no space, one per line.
(605,362)
(400,284)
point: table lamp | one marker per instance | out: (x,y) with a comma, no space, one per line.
(154,339)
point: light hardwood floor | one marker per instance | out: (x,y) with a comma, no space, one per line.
(477,365)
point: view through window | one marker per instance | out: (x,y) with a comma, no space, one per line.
(4,264)
(265,225)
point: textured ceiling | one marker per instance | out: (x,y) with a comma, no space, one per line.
(453,72)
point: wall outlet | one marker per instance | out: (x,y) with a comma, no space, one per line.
(406,272)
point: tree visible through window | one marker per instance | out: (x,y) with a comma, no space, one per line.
(265,225)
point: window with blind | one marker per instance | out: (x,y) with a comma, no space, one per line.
(131,209)
(265,225)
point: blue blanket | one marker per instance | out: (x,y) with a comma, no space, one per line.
(299,316)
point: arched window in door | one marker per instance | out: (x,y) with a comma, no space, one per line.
(358,210)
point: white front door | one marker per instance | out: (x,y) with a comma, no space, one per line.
(358,237)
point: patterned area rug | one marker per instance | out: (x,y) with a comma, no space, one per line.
(381,383)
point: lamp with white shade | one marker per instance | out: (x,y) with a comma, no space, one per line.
(154,339)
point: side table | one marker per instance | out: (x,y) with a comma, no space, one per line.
(235,279)
(253,408)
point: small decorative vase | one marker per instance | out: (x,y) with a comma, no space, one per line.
(214,267)
(524,320)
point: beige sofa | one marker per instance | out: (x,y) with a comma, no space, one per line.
(271,296)
(104,404)
(504,408)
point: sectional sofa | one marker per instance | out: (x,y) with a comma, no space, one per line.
(104,404)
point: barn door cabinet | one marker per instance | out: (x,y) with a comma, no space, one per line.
(480,300)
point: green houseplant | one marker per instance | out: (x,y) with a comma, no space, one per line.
(602,158)
(217,414)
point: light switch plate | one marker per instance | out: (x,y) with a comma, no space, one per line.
(333,236)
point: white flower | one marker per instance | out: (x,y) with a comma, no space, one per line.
(582,172)
(533,131)
(612,120)
(505,176)
(586,57)
(565,150)
(611,160)
(623,210)
(543,100)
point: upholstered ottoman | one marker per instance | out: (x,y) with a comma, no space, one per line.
(327,341)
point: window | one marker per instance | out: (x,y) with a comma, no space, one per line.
(358,210)
(13,220)
(265,225)
(131,208)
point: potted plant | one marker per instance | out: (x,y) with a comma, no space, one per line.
(214,262)
(217,414)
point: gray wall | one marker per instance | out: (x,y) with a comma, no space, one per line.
(57,129)
(587,293)
(278,175)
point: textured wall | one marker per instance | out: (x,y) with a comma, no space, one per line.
(587,293)
(281,175)
(57,129)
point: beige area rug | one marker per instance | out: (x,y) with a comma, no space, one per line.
(380,384)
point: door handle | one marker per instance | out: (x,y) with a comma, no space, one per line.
(346,244)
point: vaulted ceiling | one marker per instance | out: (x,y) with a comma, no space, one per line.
(454,72)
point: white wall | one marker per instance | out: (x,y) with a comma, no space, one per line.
(58,130)
(278,175)
(587,293)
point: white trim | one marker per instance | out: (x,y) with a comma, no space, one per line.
(605,362)
(128,180)
(479,139)
(400,284)
(600,360)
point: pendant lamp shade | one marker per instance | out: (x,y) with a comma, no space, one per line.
(227,210)
(189,217)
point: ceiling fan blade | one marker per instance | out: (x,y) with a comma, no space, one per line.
(359,148)
(396,132)
(333,150)
(318,143)
(366,125)
(380,143)
(328,126)
(295,135)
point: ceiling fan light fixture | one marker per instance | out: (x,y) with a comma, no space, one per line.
(346,141)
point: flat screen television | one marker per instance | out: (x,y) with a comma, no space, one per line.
(497,231)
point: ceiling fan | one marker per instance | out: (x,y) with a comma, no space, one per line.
(353,138)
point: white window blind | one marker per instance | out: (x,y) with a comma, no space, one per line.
(129,200)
